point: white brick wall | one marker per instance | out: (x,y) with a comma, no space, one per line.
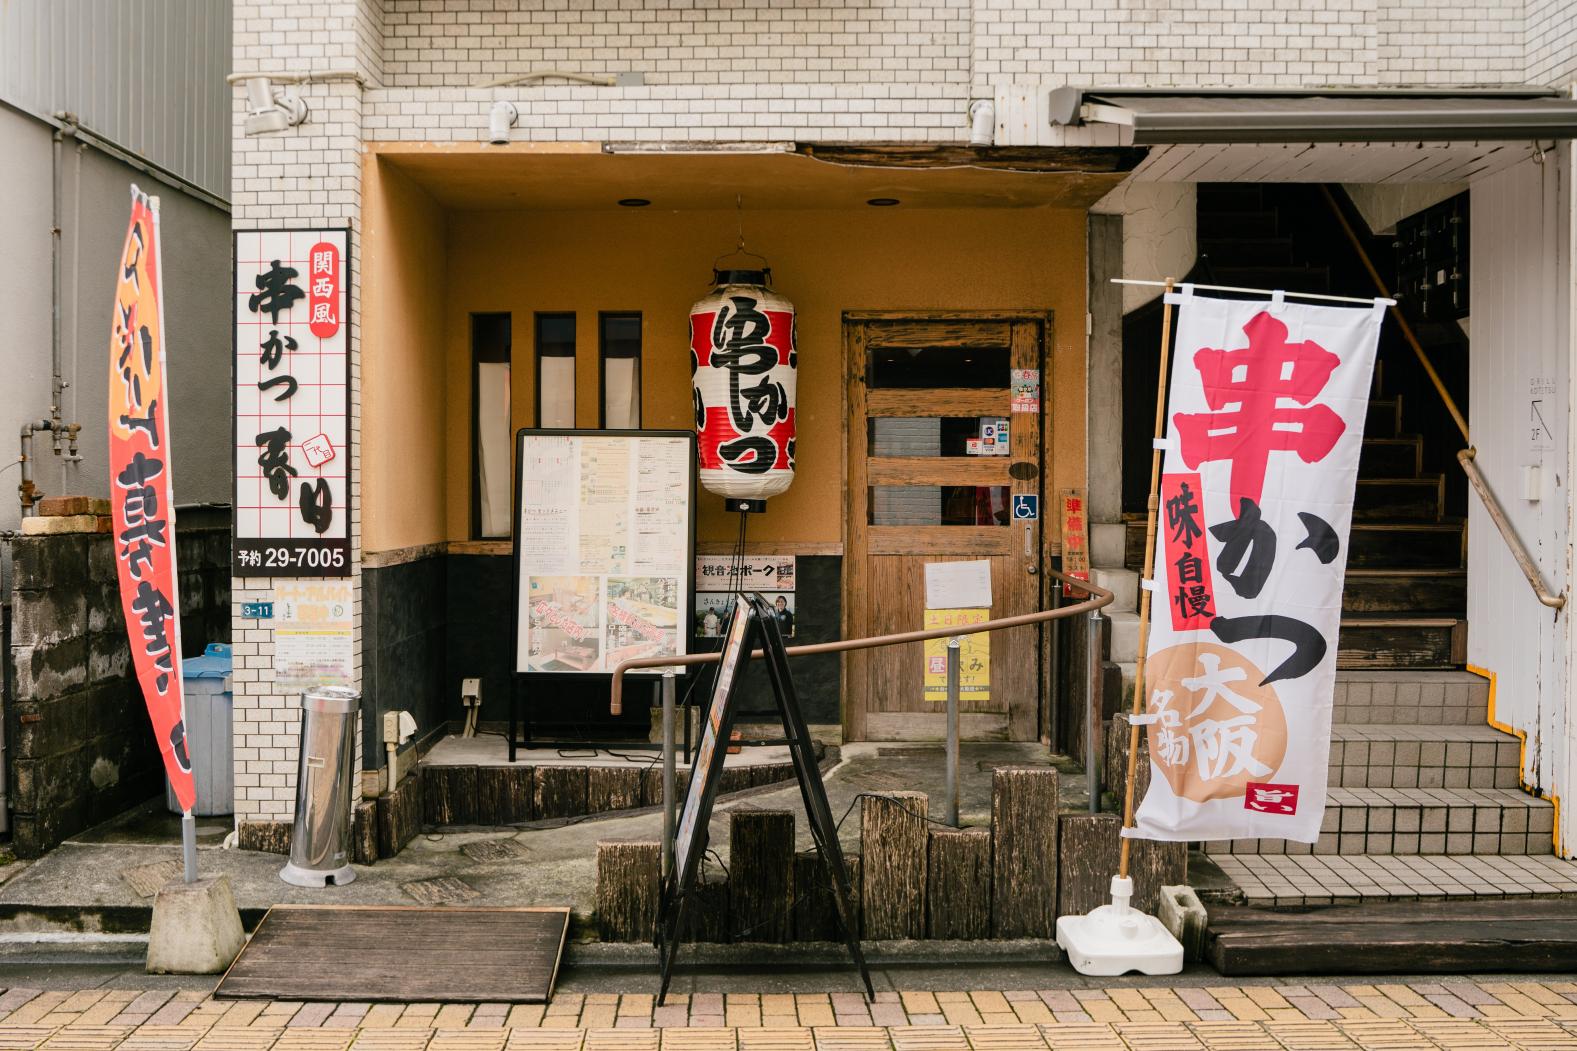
(310,176)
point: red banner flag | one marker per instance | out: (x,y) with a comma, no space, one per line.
(141,491)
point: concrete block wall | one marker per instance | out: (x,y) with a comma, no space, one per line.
(80,746)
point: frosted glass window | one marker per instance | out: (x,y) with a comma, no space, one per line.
(555,370)
(490,425)
(619,343)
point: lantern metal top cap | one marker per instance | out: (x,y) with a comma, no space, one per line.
(763,276)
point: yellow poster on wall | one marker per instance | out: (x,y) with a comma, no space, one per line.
(974,656)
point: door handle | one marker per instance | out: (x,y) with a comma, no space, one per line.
(1029,548)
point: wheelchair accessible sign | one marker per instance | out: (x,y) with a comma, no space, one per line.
(1026,508)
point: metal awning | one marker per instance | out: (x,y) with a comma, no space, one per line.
(1225,116)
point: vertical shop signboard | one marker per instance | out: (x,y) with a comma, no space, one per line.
(292,403)
(142,501)
(1266,414)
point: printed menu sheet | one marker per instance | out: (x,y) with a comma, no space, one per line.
(603,547)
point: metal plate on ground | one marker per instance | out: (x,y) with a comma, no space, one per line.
(441,890)
(400,953)
(145,880)
(493,850)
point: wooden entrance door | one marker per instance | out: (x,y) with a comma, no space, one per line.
(919,389)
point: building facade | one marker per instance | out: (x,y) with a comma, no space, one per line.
(520,179)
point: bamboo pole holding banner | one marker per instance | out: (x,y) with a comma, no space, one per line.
(1147,571)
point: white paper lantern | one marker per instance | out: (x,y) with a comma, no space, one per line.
(743,363)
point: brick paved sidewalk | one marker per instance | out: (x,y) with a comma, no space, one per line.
(1319,1017)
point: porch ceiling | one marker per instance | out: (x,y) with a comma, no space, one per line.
(1347,162)
(522,177)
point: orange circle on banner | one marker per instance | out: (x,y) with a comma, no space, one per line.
(1216,727)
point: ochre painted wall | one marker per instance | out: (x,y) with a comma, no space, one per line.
(404,475)
(826,262)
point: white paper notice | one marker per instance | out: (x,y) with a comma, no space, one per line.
(958,585)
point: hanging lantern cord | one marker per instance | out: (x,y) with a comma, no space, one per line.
(739,246)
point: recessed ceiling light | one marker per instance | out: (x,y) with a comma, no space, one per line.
(633,202)
(882,202)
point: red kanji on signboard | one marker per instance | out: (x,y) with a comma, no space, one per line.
(1190,589)
(323,283)
(1256,378)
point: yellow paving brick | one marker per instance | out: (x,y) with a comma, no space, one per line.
(1032,1011)
(1144,1014)
(1175,1011)
(1103,1011)
(378,1016)
(163,1038)
(952,997)
(1005,1038)
(100,1013)
(1243,1009)
(252,1038)
(546,1039)
(928,1037)
(740,1015)
(699,1040)
(1459,1033)
(1128,999)
(1535,991)
(311,1038)
(602,998)
(35,1009)
(1401,994)
(599,1016)
(998,1018)
(1383,1006)
(636,1005)
(960,1013)
(523,1015)
(621,1039)
(87,1038)
(851,1038)
(814,1014)
(452,1016)
(1265,996)
(1081,1036)
(386,1039)
(920,1003)
(987,1002)
(776,1038)
(1152,1036)
(468,1040)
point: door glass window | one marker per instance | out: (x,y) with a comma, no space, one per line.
(619,343)
(555,370)
(975,367)
(939,505)
(938,435)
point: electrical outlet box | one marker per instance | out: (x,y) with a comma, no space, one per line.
(398,727)
(471,692)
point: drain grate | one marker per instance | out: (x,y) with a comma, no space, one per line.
(441,890)
(145,880)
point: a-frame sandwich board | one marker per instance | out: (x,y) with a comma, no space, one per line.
(752,622)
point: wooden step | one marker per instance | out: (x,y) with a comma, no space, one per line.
(1412,591)
(1391,457)
(1290,278)
(1448,937)
(1218,225)
(1403,545)
(1384,419)
(1248,251)
(1406,642)
(1401,499)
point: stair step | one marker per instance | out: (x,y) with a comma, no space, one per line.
(1401,499)
(1416,698)
(1392,755)
(1384,418)
(1396,920)
(1391,457)
(1247,251)
(1393,545)
(1402,642)
(1419,821)
(1222,225)
(1230,197)
(1415,591)
(1315,279)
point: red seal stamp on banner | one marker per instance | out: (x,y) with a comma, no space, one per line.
(1271,799)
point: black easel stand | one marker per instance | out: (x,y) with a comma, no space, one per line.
(760,628)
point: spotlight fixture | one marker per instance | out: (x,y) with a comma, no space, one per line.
(265,113)
(633,202)
(882,202)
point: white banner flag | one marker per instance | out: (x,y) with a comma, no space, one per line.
(1265,422)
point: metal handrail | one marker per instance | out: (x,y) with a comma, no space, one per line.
(1099,600)
(1467,457)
